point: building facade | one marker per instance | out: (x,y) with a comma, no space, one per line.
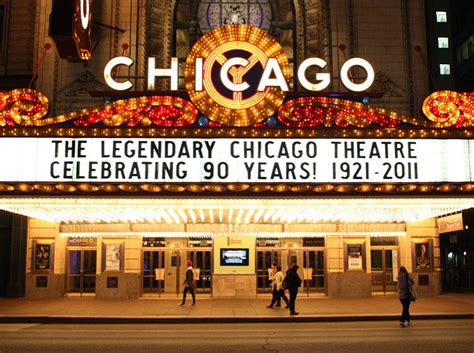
(122,235)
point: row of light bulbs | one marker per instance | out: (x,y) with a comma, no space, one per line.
(238,188)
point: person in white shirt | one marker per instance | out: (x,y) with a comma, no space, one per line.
(277,286)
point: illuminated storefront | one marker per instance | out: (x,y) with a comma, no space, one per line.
(234,174)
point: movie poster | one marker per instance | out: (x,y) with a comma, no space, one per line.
(354,257)
(423,256)
(42,257)
(113,257)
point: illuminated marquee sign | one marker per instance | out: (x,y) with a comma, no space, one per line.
(238,75)
(71,28)
(244,160)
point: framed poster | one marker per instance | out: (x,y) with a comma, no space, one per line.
(422,252)
(354,255)
(112,255)
(42,257)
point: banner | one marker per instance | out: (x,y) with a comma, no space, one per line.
(226,160)
(450,223)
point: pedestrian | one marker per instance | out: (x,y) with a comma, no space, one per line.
(271,277)
(279,291)
(189,283)
(405,283)
(293,282)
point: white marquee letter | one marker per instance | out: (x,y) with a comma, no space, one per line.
(357,87)
(154,72)
(239,87)
(325,78)
(198,74)
(85,16)
(118,86)
(279,81)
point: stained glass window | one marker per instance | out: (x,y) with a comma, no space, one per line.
(216,13)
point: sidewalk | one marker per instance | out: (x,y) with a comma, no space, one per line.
(91,310)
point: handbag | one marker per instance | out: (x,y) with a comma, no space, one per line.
(411,290)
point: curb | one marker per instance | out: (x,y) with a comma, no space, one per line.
(215,320)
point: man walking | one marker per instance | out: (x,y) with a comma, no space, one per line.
(293,282)
(189,283)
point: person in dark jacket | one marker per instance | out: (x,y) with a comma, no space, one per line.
(293,282)
(405,282)
(189,283)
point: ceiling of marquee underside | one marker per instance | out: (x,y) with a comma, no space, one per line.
(233,211)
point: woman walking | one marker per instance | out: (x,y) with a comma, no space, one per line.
(405,283)
(279,291)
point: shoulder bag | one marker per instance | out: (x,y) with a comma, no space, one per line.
(411,290)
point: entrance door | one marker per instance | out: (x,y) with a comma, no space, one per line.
(265,258)
(384,270)
(153,271)
(82,269)
(202,260)
(313,269)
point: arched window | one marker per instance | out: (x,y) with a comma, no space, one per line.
(215,13)
(193,18)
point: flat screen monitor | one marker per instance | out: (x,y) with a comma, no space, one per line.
(234,257)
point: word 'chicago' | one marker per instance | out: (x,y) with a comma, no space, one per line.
(272,75)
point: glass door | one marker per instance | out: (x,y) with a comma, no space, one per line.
(153,271)
(202,260)
(314,271)
(384,265)
(265,258)
(81,271)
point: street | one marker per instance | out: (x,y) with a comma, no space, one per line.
(456,336)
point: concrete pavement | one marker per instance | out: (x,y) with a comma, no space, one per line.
(428,336)
(87,309)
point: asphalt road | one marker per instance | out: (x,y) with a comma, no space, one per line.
(445,336)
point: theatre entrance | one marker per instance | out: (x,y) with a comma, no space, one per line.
(384,263)
(81,270)
(314,276)
(202,265)
(164,265)
(153,274)
(265,259)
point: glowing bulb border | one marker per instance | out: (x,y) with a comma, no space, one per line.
(215,40)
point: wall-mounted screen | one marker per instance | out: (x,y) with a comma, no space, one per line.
(234,257)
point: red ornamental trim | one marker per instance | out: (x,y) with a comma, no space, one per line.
(29,108)
(447,108)
(21,106)
(314,111)
(26,107)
